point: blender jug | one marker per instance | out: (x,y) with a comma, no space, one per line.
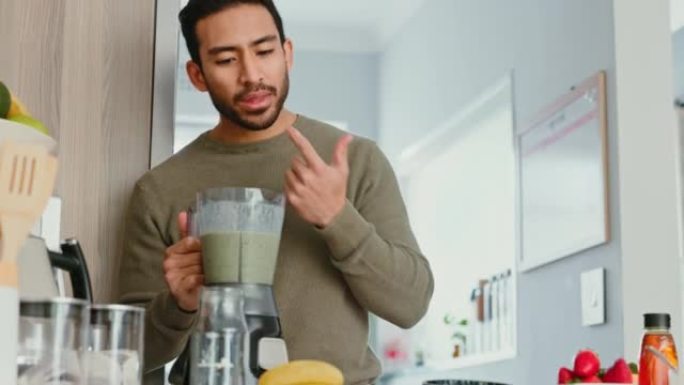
(217,345)
(240,233)
(240,229)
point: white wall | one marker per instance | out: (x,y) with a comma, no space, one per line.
(449,53)
(649,158)
(329,86)
(676,14)
(335,86)
(678,61)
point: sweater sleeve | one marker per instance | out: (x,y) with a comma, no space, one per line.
(372,244)
(141,282)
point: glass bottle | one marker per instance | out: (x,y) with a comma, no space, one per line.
(658,360)
(217,346)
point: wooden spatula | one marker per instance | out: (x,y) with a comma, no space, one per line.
(27,176)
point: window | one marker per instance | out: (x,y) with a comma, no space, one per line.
(459,187)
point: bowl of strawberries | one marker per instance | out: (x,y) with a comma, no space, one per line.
(587,370)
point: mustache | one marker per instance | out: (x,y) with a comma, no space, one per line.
(255,88)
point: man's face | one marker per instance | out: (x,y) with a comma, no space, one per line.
(244,65)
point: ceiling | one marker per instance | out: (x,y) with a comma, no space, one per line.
(366,25)
(345,25)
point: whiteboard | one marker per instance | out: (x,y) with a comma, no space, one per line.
(562,177)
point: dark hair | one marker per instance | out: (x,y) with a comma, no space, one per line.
(197,10)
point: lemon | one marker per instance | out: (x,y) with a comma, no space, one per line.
(31,122)
(5,100)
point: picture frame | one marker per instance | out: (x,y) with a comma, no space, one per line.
(562,170)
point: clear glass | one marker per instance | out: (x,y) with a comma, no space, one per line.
(52,338)
(217,346)
(115,345)
(658,362)
(240,233)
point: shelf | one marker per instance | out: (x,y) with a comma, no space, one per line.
(451,364)
(20,133)
(471,360)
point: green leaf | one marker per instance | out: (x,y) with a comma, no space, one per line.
(463,322)
(634,368)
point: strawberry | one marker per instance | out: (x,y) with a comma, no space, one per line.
(587,364)
(592,380)
(564,376)
(619,373)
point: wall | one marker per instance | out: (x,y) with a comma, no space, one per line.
(449,53)
(650,176)
(330,86)
(678,60)
(85,69)
(676,14)
(337,86)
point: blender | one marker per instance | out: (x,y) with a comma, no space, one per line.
(239,229)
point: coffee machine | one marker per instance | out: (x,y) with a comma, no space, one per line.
(239,229)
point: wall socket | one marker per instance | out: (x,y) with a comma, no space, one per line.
(593,295)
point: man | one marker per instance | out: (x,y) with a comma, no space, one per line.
(346,247)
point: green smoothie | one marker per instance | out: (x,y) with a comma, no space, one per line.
(239,257)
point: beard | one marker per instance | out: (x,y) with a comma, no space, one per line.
(254,121)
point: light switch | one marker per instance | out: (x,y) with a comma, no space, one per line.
(593,297)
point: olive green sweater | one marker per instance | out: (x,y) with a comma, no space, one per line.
(326,281)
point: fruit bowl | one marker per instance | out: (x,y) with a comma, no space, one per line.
(21,133)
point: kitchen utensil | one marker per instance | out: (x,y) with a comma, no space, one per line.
(27,175)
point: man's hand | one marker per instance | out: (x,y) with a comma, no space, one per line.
(317,191)
(183,268)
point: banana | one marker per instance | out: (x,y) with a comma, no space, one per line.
(303,372)
(16,108)
(10,106)
(30,122)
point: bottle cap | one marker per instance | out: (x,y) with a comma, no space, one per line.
(657,320)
